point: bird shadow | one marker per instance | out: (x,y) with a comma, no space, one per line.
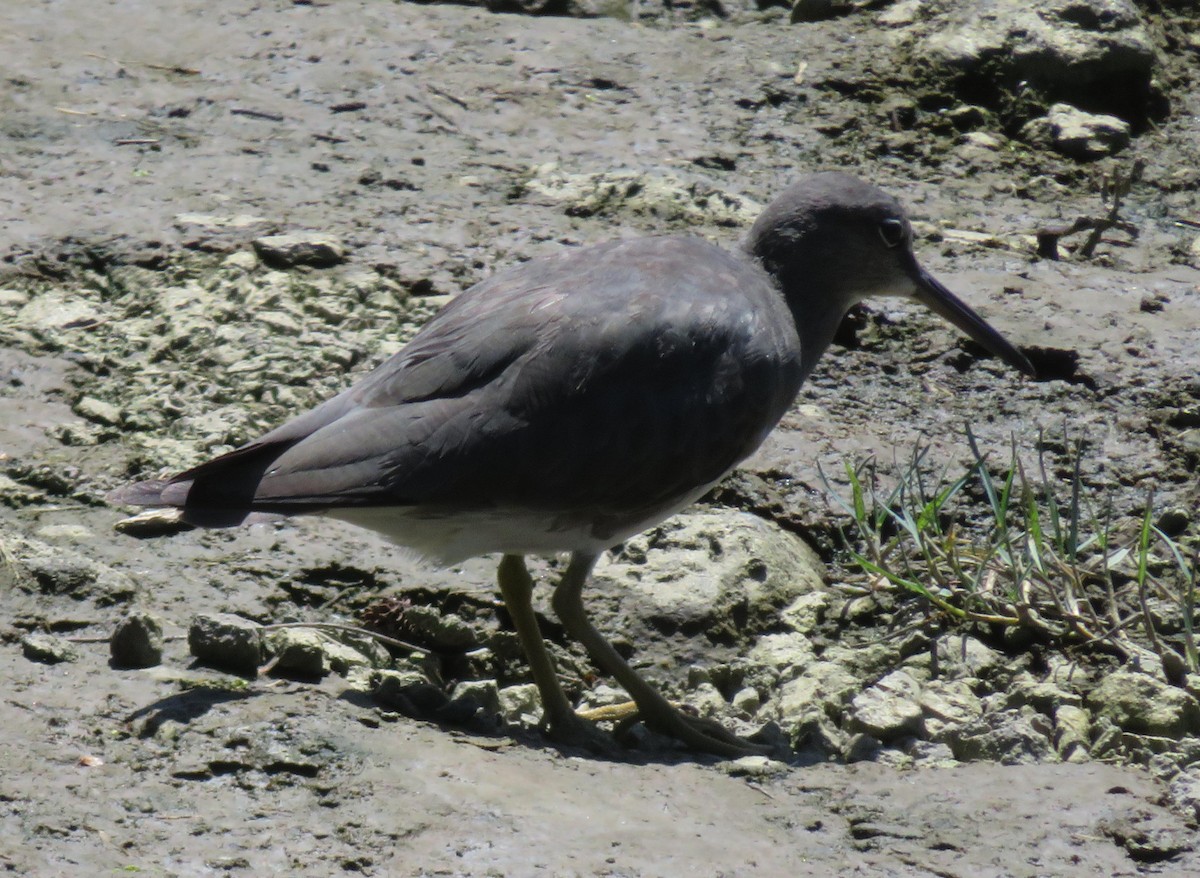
(183,707)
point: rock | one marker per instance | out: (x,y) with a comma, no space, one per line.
(484,693)
(747,701)
(664,196)
(1184,790)
(1068,50)
(241,260)
(1146,844)
(890,709)
(707,700)
(1077,134)
(16,494)
(1009,737)
(1142,704)
(786,654)
(824,689)
(521,704)
(1042,695)
(53,311)
(299,651)
(1072,731)
(968,656)
(754,767)
(137,641)
(99,412)
(226,641)
(153,523)
(862,748)
(40,568)
(312,249)
(407,691)
(724,573)
(948,702)
(11,299)
(808,611)
(47,649)
(281,322)
(446,632)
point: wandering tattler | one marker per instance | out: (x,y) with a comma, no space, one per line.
(571,402)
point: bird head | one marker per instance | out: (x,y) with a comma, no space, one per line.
(832,240)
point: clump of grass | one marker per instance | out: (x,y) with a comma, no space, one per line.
(1025,550)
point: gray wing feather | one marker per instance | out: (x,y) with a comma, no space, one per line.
(573,380)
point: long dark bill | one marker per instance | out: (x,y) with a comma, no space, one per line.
(940,300)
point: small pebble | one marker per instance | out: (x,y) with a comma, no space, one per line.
(137,641)
(47,649)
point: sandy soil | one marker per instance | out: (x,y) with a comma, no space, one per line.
(139,137)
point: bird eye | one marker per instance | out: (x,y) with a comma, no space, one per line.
(892,231)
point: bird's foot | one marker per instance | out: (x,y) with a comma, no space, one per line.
(574,730)
(698,732)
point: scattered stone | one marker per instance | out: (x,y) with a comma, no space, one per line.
(948,702)
(1062,48)
(485,693)
(407,691)
(1145,844)
(664,196)
(137,641)
(438,631)
(64,532)
(754,767)
(808,611)
(1138,703)
(825,688)
(521,704)
(153,523)
(1042,695)
(931,754)
(1184,790)
(1077,134)
(1072,731)
(962,653)
(312,249)
(707,700)
(227,641)
(99,412)
(862,747)
(603,695)
(47,649)
(787,654)
(981,140)
(747,701)
(16,494)
(281,322)
(299,651)
(725,573)
(1009,737)
(10,298)
(890,709)
(53,311)
(241,260)
(212,221)
(40,568)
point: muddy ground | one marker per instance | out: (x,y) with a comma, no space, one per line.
(145,146)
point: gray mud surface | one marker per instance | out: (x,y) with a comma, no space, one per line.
(144,147)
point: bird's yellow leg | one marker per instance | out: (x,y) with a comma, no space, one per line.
(653,708)
(516,587)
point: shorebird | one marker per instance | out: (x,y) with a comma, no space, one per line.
(569,403)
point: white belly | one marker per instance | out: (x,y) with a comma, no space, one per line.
(450,537)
